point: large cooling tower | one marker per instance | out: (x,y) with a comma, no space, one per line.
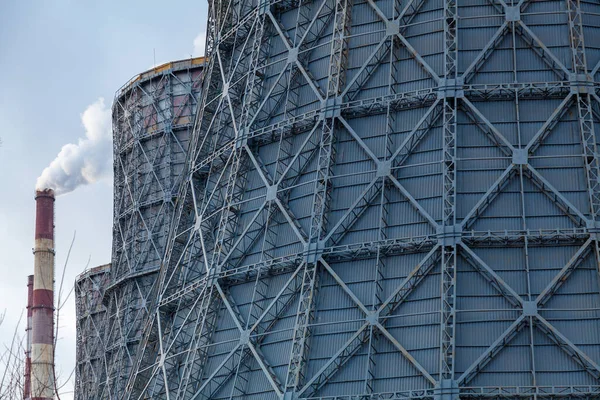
(153,116)
(387,200)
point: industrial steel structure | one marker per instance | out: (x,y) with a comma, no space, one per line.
(91,324)
(386,200)
(153,116)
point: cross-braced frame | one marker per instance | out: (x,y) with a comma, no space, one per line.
(91,323)
(153,117)
(386,199)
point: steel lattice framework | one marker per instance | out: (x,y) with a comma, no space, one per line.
(153,118)
(91,323)
(386,200)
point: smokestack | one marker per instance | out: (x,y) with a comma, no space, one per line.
(42,318)
(27,387)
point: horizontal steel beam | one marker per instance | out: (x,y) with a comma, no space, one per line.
(486,392)
(390,247)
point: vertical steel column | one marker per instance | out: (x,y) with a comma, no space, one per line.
(582,84)
(448,226)
(228,217)
(235,186)
(384,203)
(42,316)
(27,383)
(331,108)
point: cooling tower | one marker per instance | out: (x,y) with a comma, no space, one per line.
(386,200)
(91,325)
(153,116)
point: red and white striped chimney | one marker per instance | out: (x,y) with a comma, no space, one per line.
(42,318)
(27,386)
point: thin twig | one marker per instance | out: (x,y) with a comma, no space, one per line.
(58,308)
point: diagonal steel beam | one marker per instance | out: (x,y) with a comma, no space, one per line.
(488,128)
(355,210)
(243,237)
(405,353)
(359,140)
(511,332)
(344,287)
(560,278)
(595,69)
(275,302)
(486,53)
(413,202)
(292,221)
(555,196)
(494,190)
(210,380)
(427,121)
(550,123)
(569,347)
(309,36)
(266,368)
(356,214)
(491,276)
(492,351)
(418,58)
(319,23)
(410,283)
(270,315)
(414,53)
(374,60)
(546,54)
(334,364)
(497,38)
(276,83)
(238,320)
(359,338)
(310,138)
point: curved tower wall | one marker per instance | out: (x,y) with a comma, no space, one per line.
(153,116)
(387,200)
(91,325)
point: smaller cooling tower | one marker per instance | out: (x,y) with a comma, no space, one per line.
(153,116)
(91,322)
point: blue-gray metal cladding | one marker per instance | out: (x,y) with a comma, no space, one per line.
(387,199)
(153,117)
(91,322)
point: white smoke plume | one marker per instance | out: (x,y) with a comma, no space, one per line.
(87,161)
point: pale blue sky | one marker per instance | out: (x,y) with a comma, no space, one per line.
(56,59)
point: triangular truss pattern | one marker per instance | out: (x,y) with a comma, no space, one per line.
(359,217)
(91,323)
(153,118)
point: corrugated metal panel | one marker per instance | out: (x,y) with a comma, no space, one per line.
(448,230)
